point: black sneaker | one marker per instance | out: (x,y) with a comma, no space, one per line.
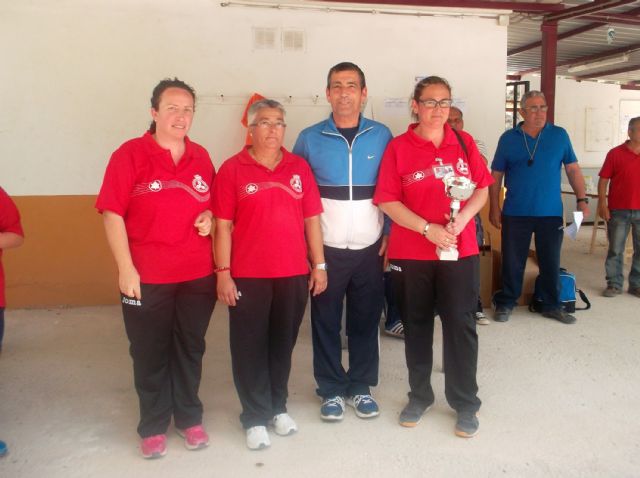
(412,413)
(560,315)
(467,424)
(502,314)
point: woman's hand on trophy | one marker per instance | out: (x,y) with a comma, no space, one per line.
(458,224)
(439,235)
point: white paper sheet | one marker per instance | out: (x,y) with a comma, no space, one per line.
(572,230)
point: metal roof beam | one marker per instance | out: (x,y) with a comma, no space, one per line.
(586,9)
(615,19)
(601,55)
(616,71)
(577,31)
(523,7)
(561,36)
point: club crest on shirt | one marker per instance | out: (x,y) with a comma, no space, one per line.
(418,176)
(251,188)
(199,184)
(155,185)
(462,167)
(296,183)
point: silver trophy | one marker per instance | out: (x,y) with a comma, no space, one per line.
(457,188)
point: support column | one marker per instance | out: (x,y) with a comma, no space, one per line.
(548,65)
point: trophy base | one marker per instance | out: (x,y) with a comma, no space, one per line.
(447,255)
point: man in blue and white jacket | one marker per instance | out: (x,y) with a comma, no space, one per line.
(344,152)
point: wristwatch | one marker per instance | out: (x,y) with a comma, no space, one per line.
(321,267)
(426,228)
(584,200)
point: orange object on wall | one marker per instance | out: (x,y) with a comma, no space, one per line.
(255,97)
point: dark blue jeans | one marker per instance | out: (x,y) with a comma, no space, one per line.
(516,237)
(617,231)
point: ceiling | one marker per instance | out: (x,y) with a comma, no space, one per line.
(590,33)
(610,36)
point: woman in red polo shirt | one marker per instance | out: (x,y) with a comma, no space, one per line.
(267,209)
(155,202)
(411,192)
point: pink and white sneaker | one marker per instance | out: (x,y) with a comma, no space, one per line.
(195,437)
(154,446)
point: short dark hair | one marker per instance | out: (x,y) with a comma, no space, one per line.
(346,66)
(161,87)
(633,121)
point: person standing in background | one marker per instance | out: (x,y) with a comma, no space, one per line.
(621,173)
(11,236)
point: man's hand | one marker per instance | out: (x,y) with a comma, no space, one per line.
(317,282)
(584,208)
(495,217)
(603,210)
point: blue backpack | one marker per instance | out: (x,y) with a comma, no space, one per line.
(568,292)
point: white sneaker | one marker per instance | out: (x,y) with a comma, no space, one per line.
(258,438)
(284,425)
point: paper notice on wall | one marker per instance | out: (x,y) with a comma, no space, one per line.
(574,227)
(396,107)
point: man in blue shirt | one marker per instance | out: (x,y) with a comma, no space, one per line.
(344,152)
(530,158)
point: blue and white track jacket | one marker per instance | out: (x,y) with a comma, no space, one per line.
(346,176)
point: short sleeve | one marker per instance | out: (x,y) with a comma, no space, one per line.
(389,185)
(223,198)
(118,182)
(569,154)
(311,203)
(499,162)
(9,215)
(607,168)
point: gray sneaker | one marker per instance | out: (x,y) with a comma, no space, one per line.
(467,424)
(412,413)
(502,314)
(560,315)
(611,291)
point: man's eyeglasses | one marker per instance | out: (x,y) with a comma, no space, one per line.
(264,124)
(535,109)
(429,103)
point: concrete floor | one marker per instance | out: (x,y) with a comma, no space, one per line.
(559,401)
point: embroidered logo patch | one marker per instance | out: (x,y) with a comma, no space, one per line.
(418,175)
(199,184)
(462,167)
(296,183)
(251,188)
(155,186)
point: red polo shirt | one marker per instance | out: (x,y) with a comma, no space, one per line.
(9,222)
(622,167)
(268,209)
(160,202)
(409,173)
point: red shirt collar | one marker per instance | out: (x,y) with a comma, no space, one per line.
(449,136)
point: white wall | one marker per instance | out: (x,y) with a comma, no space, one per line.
(77,76)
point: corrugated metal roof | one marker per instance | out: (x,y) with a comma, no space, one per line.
(525,29)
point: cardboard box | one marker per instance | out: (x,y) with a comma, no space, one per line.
(491,276)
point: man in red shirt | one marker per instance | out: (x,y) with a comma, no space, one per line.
(621,210)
